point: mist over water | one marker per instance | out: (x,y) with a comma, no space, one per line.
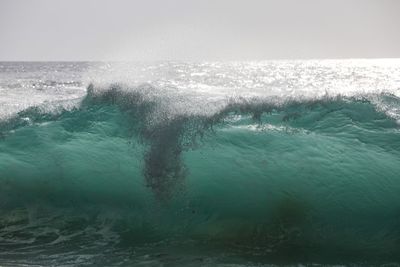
(200,164)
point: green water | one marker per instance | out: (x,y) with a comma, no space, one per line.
(301,182)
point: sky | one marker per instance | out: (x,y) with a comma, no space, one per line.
(147,30)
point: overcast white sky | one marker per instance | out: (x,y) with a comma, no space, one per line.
(198,29)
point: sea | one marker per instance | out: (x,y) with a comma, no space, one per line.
(171,163)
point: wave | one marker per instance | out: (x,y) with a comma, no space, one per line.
(300,180)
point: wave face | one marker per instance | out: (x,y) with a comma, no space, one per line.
(115,181)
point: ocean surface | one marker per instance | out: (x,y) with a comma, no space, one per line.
(271,163)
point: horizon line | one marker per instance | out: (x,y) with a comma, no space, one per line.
(202,60)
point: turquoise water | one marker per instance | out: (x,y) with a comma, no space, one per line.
(256,183)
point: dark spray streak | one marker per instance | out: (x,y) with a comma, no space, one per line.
(163,166)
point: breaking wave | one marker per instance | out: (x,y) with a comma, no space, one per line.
(261,180)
